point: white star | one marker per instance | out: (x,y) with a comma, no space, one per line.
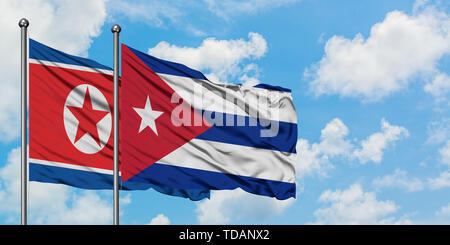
(148,116)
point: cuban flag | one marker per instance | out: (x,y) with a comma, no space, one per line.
(180,130)
(71,121)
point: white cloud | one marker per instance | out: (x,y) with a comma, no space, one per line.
(332,138)
(399,180)
(87,208)
(250,75)
(354,206)
(445,153)
(160,219)
(227,8)
(444,211)
(372,148)
(439,86)
(386,61)
(419,5)
(402,220)
(316,157)
(52,22)
(220,57)
(231,206)
(440,182)
(65,25)
(9,109)
(439,131)
(310,160)
(49,203)
(443,180)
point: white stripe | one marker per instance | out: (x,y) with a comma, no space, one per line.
(73,67)
(241,100)
(234,159)
(71,166)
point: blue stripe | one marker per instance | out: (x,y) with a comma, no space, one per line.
(98,181)
(167,67)
(285,140)
(181,177)
(40,51)
(271,87)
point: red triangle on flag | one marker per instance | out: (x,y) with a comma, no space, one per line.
(148,131)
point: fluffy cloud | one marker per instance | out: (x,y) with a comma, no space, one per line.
(51,22)
(220,57)
(315,157)
(439,131)
(332,139)
(372,148)
(388,60)
(444,211)
(443,180)
(354,206)
(49,203)
(87,208)
(439,86)
(160,219)
(231,206)
(440,182)
(227,8)
(445,153)
(399,180)
(311,160)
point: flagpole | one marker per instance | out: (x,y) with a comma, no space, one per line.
(116,30)
(23,24)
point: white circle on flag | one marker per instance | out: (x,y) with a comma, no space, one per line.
(87,144)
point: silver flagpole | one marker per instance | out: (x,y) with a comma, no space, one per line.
(23,23)
(116,30)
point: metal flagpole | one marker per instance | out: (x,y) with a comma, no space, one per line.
(116,30)
(23,23)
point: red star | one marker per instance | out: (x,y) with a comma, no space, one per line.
(87,118)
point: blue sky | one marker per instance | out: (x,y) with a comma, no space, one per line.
(370,83)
